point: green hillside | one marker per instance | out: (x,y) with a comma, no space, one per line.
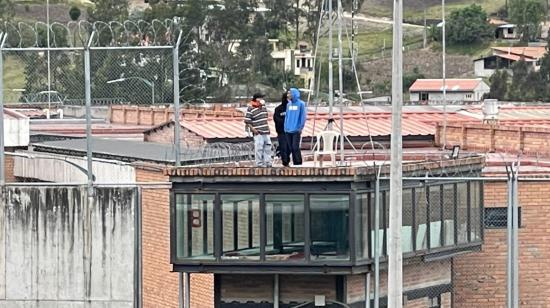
(413,9)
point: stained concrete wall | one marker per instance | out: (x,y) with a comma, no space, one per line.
(54,253)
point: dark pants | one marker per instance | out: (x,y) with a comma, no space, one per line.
(293,140)
(283,148)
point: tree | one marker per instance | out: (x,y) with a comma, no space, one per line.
(468,25)
(499,85)
(6,11)
(108,10)
(74,13)
(520,89)
(527,14)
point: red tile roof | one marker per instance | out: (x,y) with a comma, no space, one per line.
(509,57)
(234,128)
(531,52)
(12,114)
(452,85)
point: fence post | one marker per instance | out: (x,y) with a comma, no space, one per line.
(89,187)
(176,71)
(2,162)
(377,241)
(515,231)
(509,237)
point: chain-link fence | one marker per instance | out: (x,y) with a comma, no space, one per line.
(118,76)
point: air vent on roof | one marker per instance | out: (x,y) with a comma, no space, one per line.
(490,110)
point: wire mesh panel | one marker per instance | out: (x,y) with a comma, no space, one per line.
(132,76)
(26,76)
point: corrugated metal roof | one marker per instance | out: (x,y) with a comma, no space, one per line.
(509,57)
(353,127)
(78,128)
(531,52)
(126,150)
(12,114)
(512,113)
(452,85)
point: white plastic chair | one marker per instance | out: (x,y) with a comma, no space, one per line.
(328,139)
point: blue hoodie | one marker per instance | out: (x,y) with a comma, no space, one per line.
(296,113)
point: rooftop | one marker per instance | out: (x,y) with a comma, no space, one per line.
(133,151)
(531,52)
(343,173)
(452,85)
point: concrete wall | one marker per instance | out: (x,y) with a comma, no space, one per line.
(45,258)
(98,112)
(55,168)
(16,131)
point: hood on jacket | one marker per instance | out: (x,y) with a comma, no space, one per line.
(295,94)
(284,99)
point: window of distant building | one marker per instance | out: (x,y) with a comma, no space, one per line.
(470,95)
(497,217)
(424,96)
(434,302)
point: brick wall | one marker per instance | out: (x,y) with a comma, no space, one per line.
(292,288)
(165,135)
(528,140)
(480,278)
(157,115)
(415,276)
(160,285)
(8,161)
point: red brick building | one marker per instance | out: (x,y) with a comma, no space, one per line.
(481,277)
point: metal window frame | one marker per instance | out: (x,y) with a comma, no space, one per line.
(350,219)
(307,190)
(220,205)
(173,228)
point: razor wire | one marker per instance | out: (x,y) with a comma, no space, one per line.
(217,153)
(76,34)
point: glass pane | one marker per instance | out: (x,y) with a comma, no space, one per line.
(406,229)
(195,226)
(285,227)
(240,227)
(420,215)
(462,214)
(181,218)
(475,198)
(435,216)
(362,223)
(448,214)
(329,227)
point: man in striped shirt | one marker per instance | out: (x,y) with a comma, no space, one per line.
(256,121)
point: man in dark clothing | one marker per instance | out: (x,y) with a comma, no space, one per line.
(256,120)
(279,119)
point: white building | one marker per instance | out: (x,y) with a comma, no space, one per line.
(458,90)
(298,61)
(16,129)
(503,58)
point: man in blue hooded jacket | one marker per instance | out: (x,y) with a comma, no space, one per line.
(295,120)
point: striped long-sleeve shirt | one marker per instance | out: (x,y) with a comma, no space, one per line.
(257,118)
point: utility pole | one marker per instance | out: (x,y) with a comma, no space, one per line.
(340,81)
(2,161)
(395,256)
(444,73)
(330,75)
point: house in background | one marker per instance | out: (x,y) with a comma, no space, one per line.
(504,30)
(458,90)
(298,61)
(503,58)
